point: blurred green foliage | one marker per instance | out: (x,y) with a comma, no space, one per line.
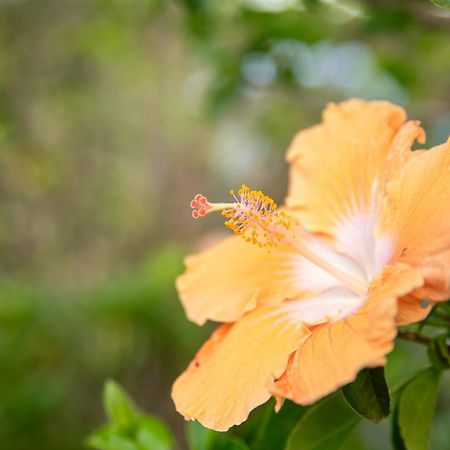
(113,114)
(127,427)
(329,423)
(56,349)
(442,3)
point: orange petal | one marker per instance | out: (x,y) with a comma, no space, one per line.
(232,373)
(232,278)
(436,271)
(339,166)
(412,309)
(416,219)
(336,351)
(400,150)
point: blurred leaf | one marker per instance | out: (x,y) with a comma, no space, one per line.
(229,443)
(223,92)
(397,440)
(201,438)
(368,395)
(107,438)
(250,431)
(442,3)
(353,442)
(153,434)
(195,5)
(416,409)
(198,437)
(119,407)
(445,307)
(439,352)
(325,426)
(275,430)
(128,428)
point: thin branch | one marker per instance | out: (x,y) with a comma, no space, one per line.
(438,323)
(442,316)
(413,336)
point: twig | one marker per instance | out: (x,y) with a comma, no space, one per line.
(413,336)
(438,323)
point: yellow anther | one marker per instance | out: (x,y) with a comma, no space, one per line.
(256,219)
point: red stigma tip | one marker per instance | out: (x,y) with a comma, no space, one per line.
(200,206)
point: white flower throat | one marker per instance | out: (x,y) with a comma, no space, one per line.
(256,218)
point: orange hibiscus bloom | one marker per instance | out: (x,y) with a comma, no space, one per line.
(363,240)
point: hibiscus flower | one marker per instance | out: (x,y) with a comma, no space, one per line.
(316,289)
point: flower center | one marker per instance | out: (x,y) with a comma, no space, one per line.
(256,218)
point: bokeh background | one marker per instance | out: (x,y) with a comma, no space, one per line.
(113,114)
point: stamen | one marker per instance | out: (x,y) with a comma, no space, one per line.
(256,218)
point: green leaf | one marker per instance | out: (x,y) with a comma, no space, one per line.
(439,353)
(442,3)
(118,406)
(229,443)
(199,437)
(352,442)
(251,430)
(396,437)
(325,426)
(416,409)
(368,395)
(128,428)
(108,438)
(152,434)
(275,430)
